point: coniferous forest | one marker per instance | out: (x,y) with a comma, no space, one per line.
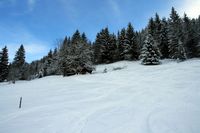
(176,38)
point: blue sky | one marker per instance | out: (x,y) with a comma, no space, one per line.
(38,24)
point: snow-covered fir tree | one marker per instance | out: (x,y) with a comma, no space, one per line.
(150,54)
(75,56)
(51,64)
(33,69)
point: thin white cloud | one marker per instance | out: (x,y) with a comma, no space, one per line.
(31,4)
(115,7)
(70,9)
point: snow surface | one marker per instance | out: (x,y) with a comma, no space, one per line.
(136,99)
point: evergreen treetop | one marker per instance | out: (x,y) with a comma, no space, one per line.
(19,59)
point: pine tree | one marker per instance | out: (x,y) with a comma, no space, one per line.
(105,46)
(84,38)
(188,37)
(76,37)
(113,51)
(4,70)
(198,24)
(197,36)
(19,59)
(96,48)
(181,54)
(157,33)
(75,56)
(50,54)
(196,32)
(85,58)
(48,64)
(121,43)
(55,64)
(131,50)
(51,64)
(150,53)
(141,36)
(63,54)
(1,66)
(19,66)
(163,46)
(34,70)
(198,49)
(175,35)
(151,27)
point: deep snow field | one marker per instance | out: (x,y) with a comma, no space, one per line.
(136,99)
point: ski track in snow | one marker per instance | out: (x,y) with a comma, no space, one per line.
(136,99)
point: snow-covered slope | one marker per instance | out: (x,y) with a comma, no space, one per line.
(136,99)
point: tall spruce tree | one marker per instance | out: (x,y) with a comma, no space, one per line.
(19,65)
(19,59)
(4,66)
(198,23)
(195,24)
(163,46)
(157,33)
(76,37)
(113,48)
(151,27)
(1,66)
(65,52)
(198,49)
(104,43)
(175,35)
(122,43)
(181,53)
(84,38)
(96,48)
(131,48)
(105,46)
(188,37)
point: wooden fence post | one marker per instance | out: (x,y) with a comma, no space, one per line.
(20,102)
